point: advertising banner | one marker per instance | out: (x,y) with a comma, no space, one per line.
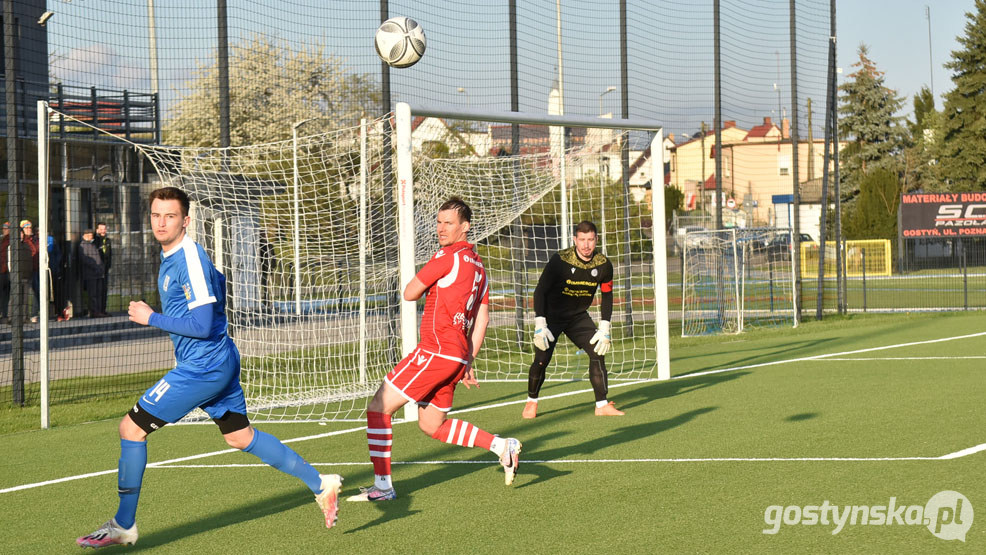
(943,214)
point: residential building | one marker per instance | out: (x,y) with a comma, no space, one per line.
(754,172)
(756,167)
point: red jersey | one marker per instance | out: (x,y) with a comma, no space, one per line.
(456,279)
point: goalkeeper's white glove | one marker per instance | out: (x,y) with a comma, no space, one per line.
(542,335)
(601,339)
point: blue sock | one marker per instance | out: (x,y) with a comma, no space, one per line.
(280,456)
(133,459)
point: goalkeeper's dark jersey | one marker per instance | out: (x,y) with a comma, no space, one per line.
(568,284)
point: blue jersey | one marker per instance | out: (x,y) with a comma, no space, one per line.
(187,280)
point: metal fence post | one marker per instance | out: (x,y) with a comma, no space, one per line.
(863,262)
(965,278)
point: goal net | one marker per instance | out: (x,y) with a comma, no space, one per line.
(525,209)
(306,232)
(735,279)
(303,230)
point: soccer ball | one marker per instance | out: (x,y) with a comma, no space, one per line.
(400,42)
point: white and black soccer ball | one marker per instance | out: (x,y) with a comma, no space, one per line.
(400,42)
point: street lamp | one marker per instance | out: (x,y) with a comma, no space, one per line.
(601,95)
(297,216)
(777,86)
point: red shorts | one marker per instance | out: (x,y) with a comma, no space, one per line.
(427,378)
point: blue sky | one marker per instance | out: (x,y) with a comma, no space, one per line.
(104,43)
(896,32)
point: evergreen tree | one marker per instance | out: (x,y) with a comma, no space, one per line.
(874,214)
(963,126)
(924,105)
(867,122)
(919,160)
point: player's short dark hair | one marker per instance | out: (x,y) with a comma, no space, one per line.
(171,193)
(460,207)
(585,226)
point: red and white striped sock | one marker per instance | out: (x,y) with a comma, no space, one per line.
(380,437)
(460,432)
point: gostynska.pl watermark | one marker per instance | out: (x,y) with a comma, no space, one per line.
(947,515)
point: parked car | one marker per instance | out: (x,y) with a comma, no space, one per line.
(686,236)
(756,240)
(779,248)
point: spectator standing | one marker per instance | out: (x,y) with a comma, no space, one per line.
(30,242)
(267,261)
(55,273)
(5,273)
(105,248)
(93,272)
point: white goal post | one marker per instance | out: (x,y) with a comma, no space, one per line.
(414,251)
(318,234)
(736,278)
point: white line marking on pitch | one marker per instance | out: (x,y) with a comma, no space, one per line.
(828,356)
(949,456)
(171,464)
(905,358)
(957,454)
(164,463)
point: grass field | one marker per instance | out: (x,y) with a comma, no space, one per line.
(858,411)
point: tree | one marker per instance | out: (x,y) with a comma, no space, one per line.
(920,167)
(963,126)
(924,105)
(271,87)
(868,123)
(874,214)
(674,199)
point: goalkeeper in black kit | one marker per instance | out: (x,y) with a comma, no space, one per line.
(561,300)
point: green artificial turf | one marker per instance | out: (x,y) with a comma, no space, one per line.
(853,411)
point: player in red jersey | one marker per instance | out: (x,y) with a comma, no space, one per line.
(452,331)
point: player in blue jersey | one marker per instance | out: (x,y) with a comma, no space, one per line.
(206,375)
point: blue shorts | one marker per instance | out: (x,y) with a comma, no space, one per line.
(216,391)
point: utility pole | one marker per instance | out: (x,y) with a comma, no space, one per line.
(931,64)
(701,181)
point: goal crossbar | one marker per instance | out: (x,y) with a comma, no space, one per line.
(630,124)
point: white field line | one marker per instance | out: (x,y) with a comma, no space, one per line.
(162,463)
(909,358)
(828,356)
(955,455)
(949,456)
